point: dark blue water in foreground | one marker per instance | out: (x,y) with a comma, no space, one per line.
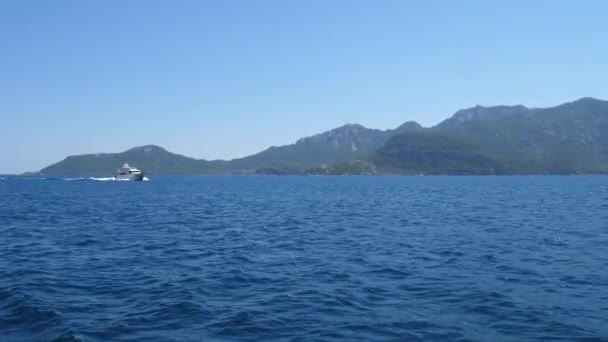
(305,258)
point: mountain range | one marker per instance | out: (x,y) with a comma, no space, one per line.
(569,138)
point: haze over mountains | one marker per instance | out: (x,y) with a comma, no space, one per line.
(569,138)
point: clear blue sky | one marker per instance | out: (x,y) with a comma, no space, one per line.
(224,78)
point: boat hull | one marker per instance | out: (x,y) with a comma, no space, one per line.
(130,177)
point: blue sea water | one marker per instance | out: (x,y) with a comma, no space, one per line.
(305,259)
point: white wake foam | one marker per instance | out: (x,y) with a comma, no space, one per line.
(98,179)
(103,179)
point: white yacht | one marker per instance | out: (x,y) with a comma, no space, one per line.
(129,173)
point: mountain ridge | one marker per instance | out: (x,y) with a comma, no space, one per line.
(548,138)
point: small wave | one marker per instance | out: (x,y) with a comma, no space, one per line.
(26,310)
(67,337)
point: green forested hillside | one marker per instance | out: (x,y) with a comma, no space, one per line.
(434,153)
(572,137)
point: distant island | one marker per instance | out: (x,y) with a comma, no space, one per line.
(571,138)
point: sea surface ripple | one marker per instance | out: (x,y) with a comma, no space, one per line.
(305,259)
